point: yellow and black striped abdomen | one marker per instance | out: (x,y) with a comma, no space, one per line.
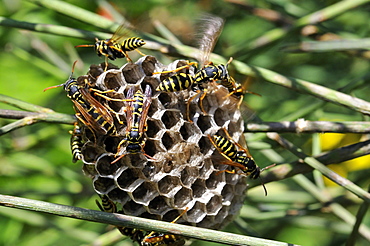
(177,82)
(229,86)
(137,110)
(106,204)
(226,146)
(99,119)
(132,43)
(76,143)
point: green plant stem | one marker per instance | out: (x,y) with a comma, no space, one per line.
(359,217)
(268,14)
(287,170)
(336,208)
(305,87)
(134,222)
(78,14)
(314,163)
(167,34)
(39,63)
(186,51)
(313,18)
(305,126)
(327,46)
(37,114)
(52,29)
(325,199)
(30,118)
(23,105)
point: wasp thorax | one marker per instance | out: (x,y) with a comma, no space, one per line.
(176,167)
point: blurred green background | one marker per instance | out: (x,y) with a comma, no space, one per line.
(35,161)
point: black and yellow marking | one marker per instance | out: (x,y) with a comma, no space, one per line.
(117,46)
(237,156)
(109,206)
(136,115)
(106,204)
(88,110)
(136,235)
(227,148)
(177,82)
(76,143)
(155,238)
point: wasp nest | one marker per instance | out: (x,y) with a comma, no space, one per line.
(183,167)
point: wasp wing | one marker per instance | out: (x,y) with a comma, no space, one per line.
(129,109)
(122,32)
(233,164)
(210,28)
(102,110)
(89,120)
(146,106)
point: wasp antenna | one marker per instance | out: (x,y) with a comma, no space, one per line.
(73,67)
(52,87)
(263,169)
(251,92)
(268,167)
(84,45)
(229,61)
(263,185)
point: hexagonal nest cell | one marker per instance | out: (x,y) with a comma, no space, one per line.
(177,169)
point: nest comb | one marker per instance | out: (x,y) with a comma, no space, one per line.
(184,171)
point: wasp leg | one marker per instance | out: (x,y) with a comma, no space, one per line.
(127,57)
(204,93)
(225,171)
(141,53)
(106,62)
(100,93)
(201,98)
(86,124)
(177,69)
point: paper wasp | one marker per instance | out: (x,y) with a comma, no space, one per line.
(117,46)
(155,238)
(88,110)
(237,156)
(137,108)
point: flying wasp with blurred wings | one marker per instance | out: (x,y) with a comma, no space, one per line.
(117,46)
(210,30)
